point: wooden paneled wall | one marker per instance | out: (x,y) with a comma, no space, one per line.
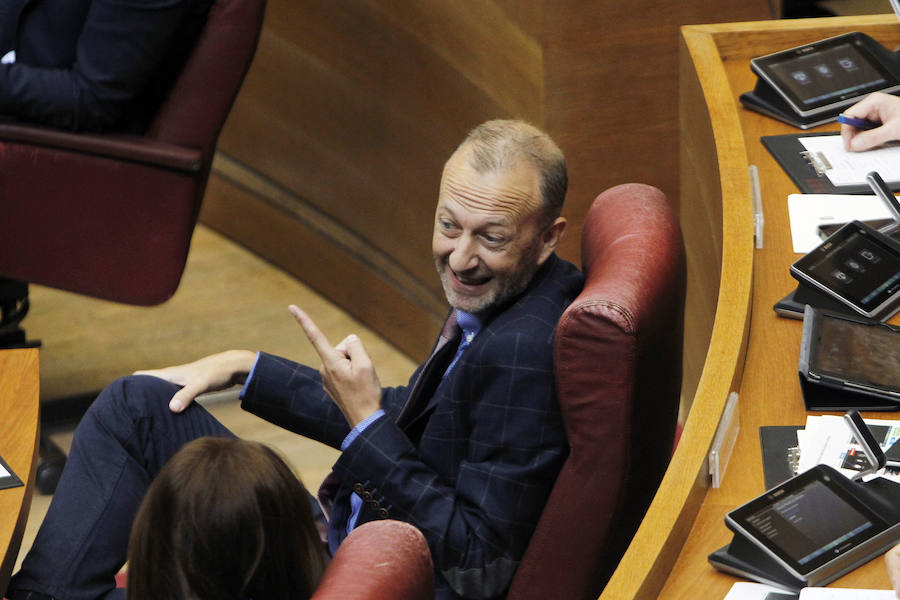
(330,162)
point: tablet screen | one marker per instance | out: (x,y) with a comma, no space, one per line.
(830,75)
(854,265)
(827,74)
(865,353)
(808,521)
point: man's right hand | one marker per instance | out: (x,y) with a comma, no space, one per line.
(215,372)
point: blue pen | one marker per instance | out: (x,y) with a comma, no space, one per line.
(857,122)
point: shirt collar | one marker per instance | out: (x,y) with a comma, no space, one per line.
(468,322)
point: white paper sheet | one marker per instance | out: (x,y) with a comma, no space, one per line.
(828,440)
(743,590)
(824,593)
(808,211)
(850,168)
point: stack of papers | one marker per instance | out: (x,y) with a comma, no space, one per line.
(828,440)
(849,168)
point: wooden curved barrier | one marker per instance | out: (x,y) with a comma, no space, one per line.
(750,350)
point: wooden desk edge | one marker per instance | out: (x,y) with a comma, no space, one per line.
(24,366)
(643,570)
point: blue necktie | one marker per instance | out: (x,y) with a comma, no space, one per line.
(470,327)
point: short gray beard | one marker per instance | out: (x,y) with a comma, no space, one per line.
(510,288)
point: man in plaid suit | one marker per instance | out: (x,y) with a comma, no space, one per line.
(468,451)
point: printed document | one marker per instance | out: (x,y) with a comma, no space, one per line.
(850,168)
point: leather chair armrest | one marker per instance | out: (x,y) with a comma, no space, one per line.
(380,560)
(110,145)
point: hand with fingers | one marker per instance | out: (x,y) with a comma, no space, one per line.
(877,107)
(347,371)
(209,374)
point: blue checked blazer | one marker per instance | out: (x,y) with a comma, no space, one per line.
(93,64)
(476,474)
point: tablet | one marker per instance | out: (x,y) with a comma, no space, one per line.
(851,354)
(857,266)
(828,75)
(813,523)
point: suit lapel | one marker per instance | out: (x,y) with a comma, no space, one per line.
(432,371)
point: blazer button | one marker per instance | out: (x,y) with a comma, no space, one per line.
(358,488)
(383,513)
(367,495)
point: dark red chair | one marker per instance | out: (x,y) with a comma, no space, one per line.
(380,560)
(111,215)
(618,373)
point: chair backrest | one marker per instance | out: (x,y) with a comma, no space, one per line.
(618,373)
(112,215)
(194,111)
(380,560)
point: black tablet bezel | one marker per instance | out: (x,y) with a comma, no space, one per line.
(868,49)
(810,359)
(840,486)
(801,270)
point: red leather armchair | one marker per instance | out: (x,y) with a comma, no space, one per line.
(618,371)
(110,215)
(380,560)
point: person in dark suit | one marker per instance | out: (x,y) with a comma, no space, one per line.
(93,65)
(468,451)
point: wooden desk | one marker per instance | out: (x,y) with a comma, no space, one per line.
(18,446)
(731,289)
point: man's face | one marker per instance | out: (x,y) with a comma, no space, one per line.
(488,240)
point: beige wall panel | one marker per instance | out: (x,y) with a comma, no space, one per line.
(351,108)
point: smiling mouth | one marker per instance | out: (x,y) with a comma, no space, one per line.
(469,282)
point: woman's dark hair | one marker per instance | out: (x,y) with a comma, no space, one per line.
(225,519)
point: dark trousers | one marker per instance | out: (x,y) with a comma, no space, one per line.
(126,436)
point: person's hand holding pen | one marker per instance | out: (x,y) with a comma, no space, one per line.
(871,122)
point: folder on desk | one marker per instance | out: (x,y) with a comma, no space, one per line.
(780,453)
(821,166)
(8,479)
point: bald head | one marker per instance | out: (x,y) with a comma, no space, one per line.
(501,144)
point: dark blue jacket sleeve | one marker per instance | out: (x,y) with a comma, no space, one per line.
(120,48)
(291,395)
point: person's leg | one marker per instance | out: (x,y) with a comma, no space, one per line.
(121,443)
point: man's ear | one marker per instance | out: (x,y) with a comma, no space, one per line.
(551,237)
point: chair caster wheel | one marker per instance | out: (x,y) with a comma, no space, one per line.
(48,474)
(50,469)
